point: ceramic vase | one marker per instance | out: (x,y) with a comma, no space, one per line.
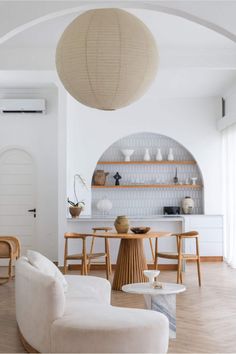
(158,155)
(170,155)
(127,153)
(151,275)
(187,205)
(122,224)
(147,156)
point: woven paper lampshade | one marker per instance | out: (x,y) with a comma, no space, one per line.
(106,58)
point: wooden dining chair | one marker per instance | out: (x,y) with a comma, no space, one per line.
(105,254)
(9,249)
(84,257)
(180,256)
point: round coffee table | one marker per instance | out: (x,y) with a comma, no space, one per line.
(161,300)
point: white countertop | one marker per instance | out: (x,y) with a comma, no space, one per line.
(168,218)
(153,218)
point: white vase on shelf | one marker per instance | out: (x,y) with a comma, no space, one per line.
(147,156)
(159,155)
(127,153)
(170,155)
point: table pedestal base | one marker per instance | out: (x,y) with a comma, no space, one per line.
(165,304)
(131,263)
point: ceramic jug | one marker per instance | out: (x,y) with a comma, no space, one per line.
(99,177)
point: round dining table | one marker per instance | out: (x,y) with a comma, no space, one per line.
(131,260)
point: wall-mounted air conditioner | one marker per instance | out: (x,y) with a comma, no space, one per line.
(16,105)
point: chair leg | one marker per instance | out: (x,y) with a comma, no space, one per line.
(82,267)
(91,252)
(107,259)
(152,250)
(10,269)
(155,255)
(181,277)
(198,262)
(84,257)
(179,260)
(108,255)
(65,256)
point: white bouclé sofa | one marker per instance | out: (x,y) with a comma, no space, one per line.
(73,314)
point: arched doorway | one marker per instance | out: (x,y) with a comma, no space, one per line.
(17,196)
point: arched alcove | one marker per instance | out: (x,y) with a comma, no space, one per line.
(146,187)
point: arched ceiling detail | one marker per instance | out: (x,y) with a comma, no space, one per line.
(148,5)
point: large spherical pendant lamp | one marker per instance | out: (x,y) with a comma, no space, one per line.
(106,58)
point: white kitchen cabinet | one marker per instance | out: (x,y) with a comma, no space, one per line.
(210,229)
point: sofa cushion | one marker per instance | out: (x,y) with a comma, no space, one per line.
(88,288)
(47,267)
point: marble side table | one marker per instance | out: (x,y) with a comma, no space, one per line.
(161,300)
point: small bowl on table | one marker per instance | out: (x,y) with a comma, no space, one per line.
(140,230)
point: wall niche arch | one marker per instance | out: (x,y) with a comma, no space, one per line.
(140,199)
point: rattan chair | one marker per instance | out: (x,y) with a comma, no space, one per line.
(9,249)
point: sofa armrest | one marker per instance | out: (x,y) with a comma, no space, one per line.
(88,288)
(97,328)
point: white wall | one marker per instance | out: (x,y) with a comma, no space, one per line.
(37,134)
(192,122)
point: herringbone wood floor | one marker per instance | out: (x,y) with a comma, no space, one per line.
(206,317)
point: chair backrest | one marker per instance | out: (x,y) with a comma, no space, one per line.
(40,300)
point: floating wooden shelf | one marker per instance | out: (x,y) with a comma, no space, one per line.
(191,186)
(163,162)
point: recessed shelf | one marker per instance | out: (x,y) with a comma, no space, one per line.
(190,186)
(163,162)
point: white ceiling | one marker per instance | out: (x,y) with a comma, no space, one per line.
(173,35)
(169,31)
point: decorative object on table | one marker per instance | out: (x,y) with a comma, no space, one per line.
(104,205)
(151,275)
(117,178)
(122,224)
(187,205)
(140,229)
(127,153)
(157,285)
(170,156)
(99,177)
(147,156)
(102,36)
(75,208)
(159,155)
(175,179)
(194,180)
(171,210)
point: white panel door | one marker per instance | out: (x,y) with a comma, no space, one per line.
(17,187)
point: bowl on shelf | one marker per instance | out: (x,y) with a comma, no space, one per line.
(140,230)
